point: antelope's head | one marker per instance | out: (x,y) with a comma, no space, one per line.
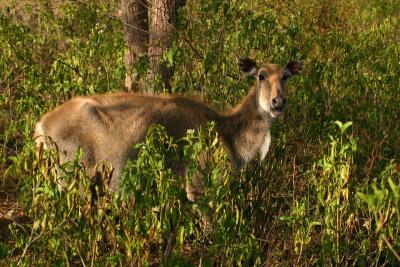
(270,83)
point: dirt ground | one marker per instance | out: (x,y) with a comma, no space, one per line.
(10,212)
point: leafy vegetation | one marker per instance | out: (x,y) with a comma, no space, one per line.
(327,193)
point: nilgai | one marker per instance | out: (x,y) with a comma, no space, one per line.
(108,126)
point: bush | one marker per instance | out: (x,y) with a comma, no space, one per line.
(77,221)
(314,200)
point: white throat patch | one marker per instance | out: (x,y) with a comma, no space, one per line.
(263,150)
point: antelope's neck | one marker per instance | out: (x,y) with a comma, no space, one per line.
(245,131)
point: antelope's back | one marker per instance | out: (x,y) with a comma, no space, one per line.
(107,127)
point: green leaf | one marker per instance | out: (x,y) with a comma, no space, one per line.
(36,224)
(342,126)
(181,236)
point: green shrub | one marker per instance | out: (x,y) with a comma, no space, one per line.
(75,220)
(337,196)
(332,224)
(383,203)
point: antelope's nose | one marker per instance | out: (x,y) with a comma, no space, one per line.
(278,102)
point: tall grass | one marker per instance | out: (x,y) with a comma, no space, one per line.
(327,193)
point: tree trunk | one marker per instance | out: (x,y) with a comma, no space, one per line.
(135,20)
(162,15)
(148,28)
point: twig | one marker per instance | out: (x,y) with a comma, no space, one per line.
(79,253)
(7,217)
(390,247)
(191,47)
(32,240)
(75,69)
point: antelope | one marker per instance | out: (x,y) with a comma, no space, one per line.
(108,126)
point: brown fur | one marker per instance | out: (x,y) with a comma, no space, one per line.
(107,126)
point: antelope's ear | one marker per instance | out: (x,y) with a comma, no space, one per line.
(248,66)
(293,68)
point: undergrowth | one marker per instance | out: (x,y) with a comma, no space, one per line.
(327,193)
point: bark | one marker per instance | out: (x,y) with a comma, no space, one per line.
(135,20)
(162,14)
(148,28)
